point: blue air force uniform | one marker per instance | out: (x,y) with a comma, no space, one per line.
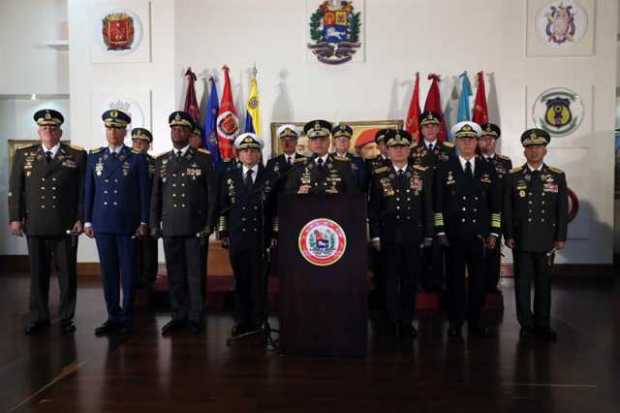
(117,198)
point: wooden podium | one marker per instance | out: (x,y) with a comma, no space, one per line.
(322,262)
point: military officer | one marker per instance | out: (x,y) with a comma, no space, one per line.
(45,203)
(320,173)
(183,210)
(341,137)
(502,164)
(245,213)
(429,152)
(195,139)
(141,140)
(401,221)
(116,213)
(535,224)
(467,223)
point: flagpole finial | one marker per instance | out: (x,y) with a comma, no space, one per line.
(225,68)
(433,76)
(463,74)
(254,70)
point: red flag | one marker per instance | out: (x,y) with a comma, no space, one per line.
(433,104)
(481,111)
(191,104)
(227,120)
(412,124)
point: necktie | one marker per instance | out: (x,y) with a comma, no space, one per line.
(320,162)
(114,155)
(468,172)
(48,156)
(179,153)
(248,178)
(289,160)
(535,177)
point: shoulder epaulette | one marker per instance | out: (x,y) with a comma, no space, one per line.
(517,169)
(29,147)
(420,168)
(448,144)
(380,170)
(204,151)
(137,152)
(96,150)
(504,157)
(161,155)
(556,170)
(300,160)
(76,147)
(338,158)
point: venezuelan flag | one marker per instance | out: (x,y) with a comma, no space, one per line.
(252,118)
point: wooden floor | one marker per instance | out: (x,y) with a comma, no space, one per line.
(148,373)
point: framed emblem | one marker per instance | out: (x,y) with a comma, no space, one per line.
(335,31)
(121,31)
(560,27)
(559,111)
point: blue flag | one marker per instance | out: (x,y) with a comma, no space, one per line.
(249,125)
(210,125)
(464,112)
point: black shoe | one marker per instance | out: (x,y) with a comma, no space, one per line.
(172,326)
(196,328)
(482,331)
(126,329)
(106,328)
(526,332)
(546,333)
(454,332)
(239,329)
(67,327)
(33,326)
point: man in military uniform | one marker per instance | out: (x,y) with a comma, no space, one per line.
(116,213)
(321,173)
(429,152)
(401,221)
(341,136)
(183,210)
(245,221)
(502,165)
(45,203)
(535,224)
(195,139)
(141,140)
(467,223)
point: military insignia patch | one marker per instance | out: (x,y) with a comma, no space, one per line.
(559,111)
(335,31)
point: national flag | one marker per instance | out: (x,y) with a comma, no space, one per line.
(191,104)
(209,139)
(412,123)
(464,113)
(252,118)
(433,104)
(227,120)
(481,111)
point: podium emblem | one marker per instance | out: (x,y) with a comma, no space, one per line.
(322,242)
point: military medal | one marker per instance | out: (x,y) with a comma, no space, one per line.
(125,168)
(99,168)
(450,180)
(522,194)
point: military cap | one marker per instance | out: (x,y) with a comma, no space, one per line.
(141,133)
(48,117)
(535,136)
(287,131)
(115,118)
(180,118)
(317,129)
(490,129)
(429,118)
(381,135)
(398,138)
(342,130)
(366,137)
(248,141)
(466,129)
(197,130)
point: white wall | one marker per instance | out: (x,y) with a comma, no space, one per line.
(27,65)
(403,37)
